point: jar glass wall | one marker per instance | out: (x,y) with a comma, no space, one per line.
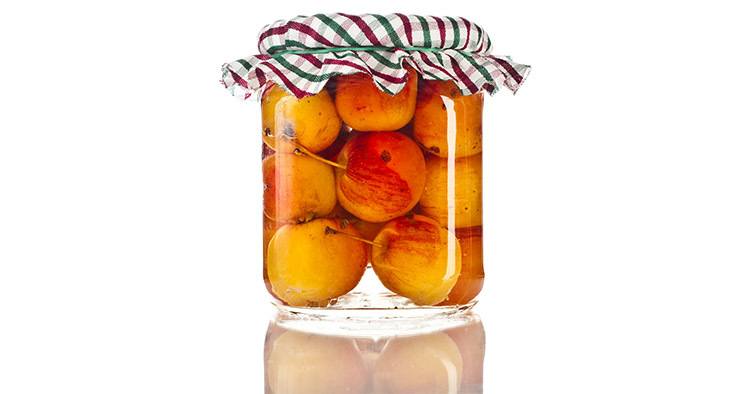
(372,200)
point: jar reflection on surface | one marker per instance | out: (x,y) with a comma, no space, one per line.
(446,361)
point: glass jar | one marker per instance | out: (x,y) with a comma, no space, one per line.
(372,159)
(371,197)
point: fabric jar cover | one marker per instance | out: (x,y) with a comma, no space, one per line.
(303,53)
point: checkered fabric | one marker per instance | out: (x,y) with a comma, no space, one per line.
(303,53)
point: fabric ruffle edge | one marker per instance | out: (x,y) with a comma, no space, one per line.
(307,74)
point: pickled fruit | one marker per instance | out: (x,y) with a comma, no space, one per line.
(353,175)
(269,229)
(297,188)
(471,279)
(440,109)
(364,107)
(311,122)
(430,363)
(332,151)
(368,230)
(383,175)
(416,258)
(467,191)
(309,264)
(314,364)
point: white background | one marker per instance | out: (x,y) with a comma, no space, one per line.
(617,197)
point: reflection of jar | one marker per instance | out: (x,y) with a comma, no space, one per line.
(448,360)
(372,158)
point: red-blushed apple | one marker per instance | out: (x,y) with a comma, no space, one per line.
(413,256)
(381,175)
(364,107)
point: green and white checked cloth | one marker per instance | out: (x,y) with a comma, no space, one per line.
(303,53)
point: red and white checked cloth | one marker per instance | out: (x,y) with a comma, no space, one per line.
(303,53)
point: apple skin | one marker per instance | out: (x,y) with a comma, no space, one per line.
(297,188)
(431,119)
(368,229)
(332,151)
(309,264)
(467,195)
(311,121)
(269,229)
(384,176)
(471,279)
(412,258)
(364,107)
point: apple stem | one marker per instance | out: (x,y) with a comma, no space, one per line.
(299,149)
(330,230)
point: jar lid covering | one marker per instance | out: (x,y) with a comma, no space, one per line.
(303,53)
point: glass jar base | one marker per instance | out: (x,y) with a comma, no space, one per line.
(373,314)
